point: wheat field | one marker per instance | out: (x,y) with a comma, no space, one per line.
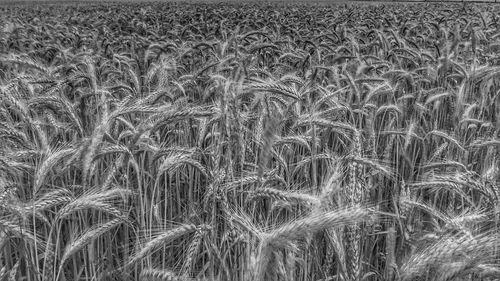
(249,141)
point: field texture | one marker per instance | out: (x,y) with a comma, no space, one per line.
(249,142)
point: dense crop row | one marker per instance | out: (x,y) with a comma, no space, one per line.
(249,142)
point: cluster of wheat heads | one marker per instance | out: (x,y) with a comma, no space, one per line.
(249,142)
